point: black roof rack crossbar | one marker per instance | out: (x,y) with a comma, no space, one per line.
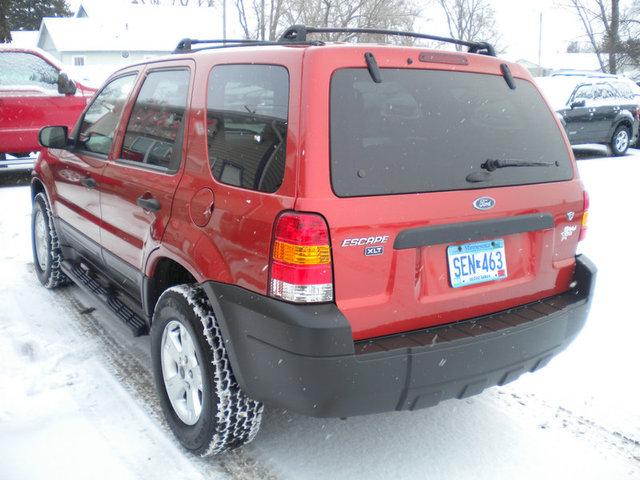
(186,44)
(298,33)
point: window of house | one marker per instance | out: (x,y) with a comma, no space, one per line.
(247,115)
(20,69)
(78,61)
(154,133)
(101,119)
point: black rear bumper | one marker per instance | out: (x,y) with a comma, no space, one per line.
(302,357)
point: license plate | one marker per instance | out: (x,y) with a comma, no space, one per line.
(477,262)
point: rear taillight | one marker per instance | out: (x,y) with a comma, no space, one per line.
(301,268)
(585,217)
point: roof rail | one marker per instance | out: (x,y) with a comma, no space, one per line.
(186,44)
(298,33)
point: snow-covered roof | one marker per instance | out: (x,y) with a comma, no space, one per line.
(118,25)
(573,61)
(24,38)
(558,89)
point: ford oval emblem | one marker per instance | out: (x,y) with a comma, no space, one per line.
(484,203)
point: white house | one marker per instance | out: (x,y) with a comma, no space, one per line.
(24,38)
(117,32)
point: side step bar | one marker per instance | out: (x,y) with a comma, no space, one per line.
(109,299)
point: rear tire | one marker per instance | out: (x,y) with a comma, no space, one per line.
(47,254)
(200,397)
(620,140)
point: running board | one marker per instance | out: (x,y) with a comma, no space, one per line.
(109,299)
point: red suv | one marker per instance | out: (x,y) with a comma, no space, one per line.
(34,92)
(335,229)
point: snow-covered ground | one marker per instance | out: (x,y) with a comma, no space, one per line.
(77,398)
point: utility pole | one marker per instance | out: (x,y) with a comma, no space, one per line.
(224,19)
(613,34)
(540,71)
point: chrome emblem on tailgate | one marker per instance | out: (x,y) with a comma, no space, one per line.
(484,203)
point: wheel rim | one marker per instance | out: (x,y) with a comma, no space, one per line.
(622,140)
(40,239)
(181,372)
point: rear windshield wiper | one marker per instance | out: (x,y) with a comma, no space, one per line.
(492,164)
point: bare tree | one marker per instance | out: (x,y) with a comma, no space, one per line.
(266,19)
(470,20)
(596,17)
(381,14)
(260,19)
(612,30)
(177,3)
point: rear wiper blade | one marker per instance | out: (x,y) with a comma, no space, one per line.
(492,164)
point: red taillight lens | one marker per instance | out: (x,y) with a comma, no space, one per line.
(301,269)
(585,217)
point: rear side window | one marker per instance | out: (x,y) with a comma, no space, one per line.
(19,69)
(623,90)
(102,117)
(247,111)
(427,130)
(604,91)
(584,92)
(153,138)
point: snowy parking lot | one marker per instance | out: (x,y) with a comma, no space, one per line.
(77,398)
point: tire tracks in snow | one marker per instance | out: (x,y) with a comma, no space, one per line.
(549,416)
(138,380)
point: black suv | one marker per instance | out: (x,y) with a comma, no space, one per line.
(594,110)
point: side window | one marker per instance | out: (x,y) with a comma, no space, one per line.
(20,69)
(101,119)
(623,90)
(247,111)
(607,91)
(599,92)
(584,92)
(154,133)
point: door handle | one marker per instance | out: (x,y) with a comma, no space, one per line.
(88,182)
(148,203)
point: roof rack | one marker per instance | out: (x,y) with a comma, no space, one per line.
(186,44)
(298,33)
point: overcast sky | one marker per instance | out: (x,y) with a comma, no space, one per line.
(517,20)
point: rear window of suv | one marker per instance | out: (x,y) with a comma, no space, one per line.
(427,130)
(247,111)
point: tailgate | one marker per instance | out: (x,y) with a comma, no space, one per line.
(425,165)
(395,276)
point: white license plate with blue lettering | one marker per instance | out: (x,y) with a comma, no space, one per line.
(477,262)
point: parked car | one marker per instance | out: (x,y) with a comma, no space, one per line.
(595,110)
(297,226)
(627,85)
(34,92)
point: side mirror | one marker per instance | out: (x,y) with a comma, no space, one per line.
(66,86)
(53,137)
(578,103)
